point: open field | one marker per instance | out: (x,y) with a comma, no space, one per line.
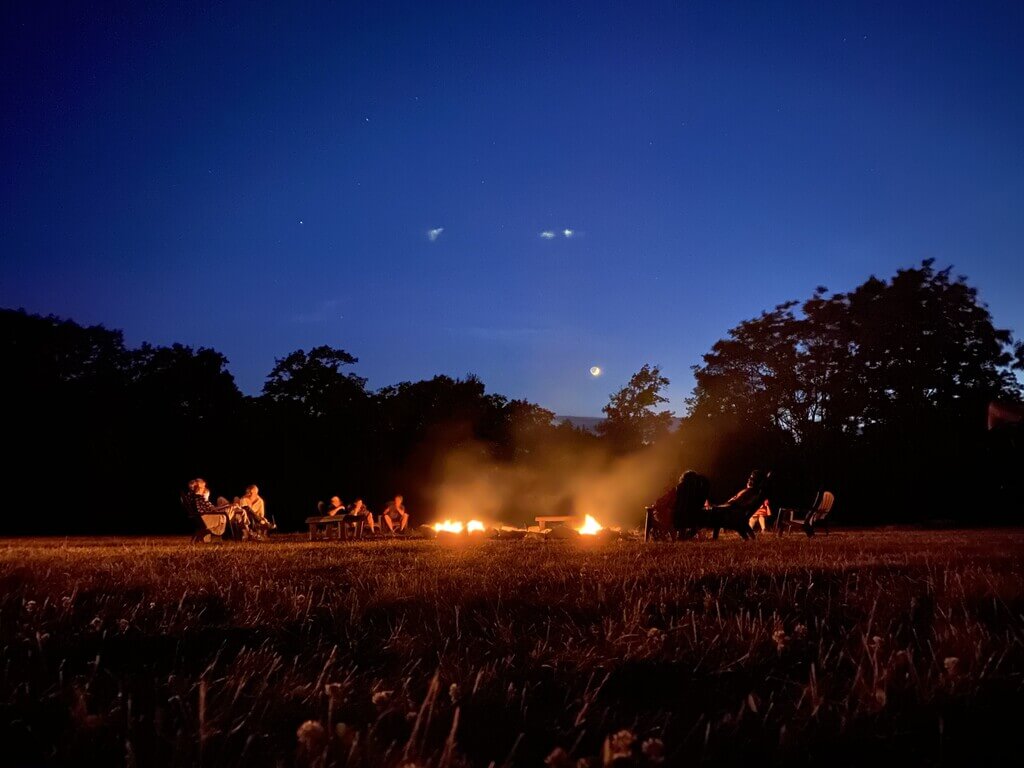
(895,646)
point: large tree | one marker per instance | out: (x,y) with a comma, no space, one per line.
(313,384)
(891,378)
(918,344)
(632,418)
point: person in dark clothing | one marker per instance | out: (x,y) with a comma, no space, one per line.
(691,496)
(743,504)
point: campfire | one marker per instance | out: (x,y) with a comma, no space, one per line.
(456,526)
(590,527)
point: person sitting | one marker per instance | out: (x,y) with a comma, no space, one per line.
(211,520)
(691,496)
(202,494)
(238,522)
(200,488)
(735,513)
(747,496)
(255,509)
(395,518)
(334,507)
(360,511)
(760,516)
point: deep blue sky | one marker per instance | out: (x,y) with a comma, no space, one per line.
(260,177)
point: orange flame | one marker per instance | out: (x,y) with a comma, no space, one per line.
(448,527)
(456,526)
(590,526)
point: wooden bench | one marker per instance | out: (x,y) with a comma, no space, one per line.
(320,527)
(564,519)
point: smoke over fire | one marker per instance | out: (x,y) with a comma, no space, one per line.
(552,480)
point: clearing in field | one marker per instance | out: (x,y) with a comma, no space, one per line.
(905,646)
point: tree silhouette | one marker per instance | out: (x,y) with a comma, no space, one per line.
(889,381)
(312,383)
(631,418)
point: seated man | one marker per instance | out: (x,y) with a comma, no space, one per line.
(334,507)
(255,509)
(359,511)
(395,518)
(748,497)
(743,504)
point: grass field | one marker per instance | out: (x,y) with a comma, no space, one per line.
(885,646)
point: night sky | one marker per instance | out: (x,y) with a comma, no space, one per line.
(259,177)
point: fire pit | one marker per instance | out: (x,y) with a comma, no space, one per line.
(453,529)
(449,526)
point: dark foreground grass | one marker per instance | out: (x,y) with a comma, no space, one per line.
(894,647)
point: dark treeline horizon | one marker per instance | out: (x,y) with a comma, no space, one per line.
(879,394)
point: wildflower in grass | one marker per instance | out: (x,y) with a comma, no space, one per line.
(780,638)
(312,737)
(654,751)
(655,635)
(454,693)
(618,747)
(558,758)
(335,692)
(800,631)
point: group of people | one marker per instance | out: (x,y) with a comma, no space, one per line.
(687,507)
(246,515)
(394,519)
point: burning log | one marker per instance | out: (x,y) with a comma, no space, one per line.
(453,528)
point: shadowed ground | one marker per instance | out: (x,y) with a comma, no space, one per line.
(901,646)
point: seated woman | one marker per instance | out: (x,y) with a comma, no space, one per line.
(210,520)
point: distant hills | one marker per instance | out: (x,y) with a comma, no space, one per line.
(589,423)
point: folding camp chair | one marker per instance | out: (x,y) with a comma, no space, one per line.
(809,519)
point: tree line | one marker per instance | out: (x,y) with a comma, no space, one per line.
(879,394)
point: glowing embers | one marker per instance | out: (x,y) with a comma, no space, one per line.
(590,527)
